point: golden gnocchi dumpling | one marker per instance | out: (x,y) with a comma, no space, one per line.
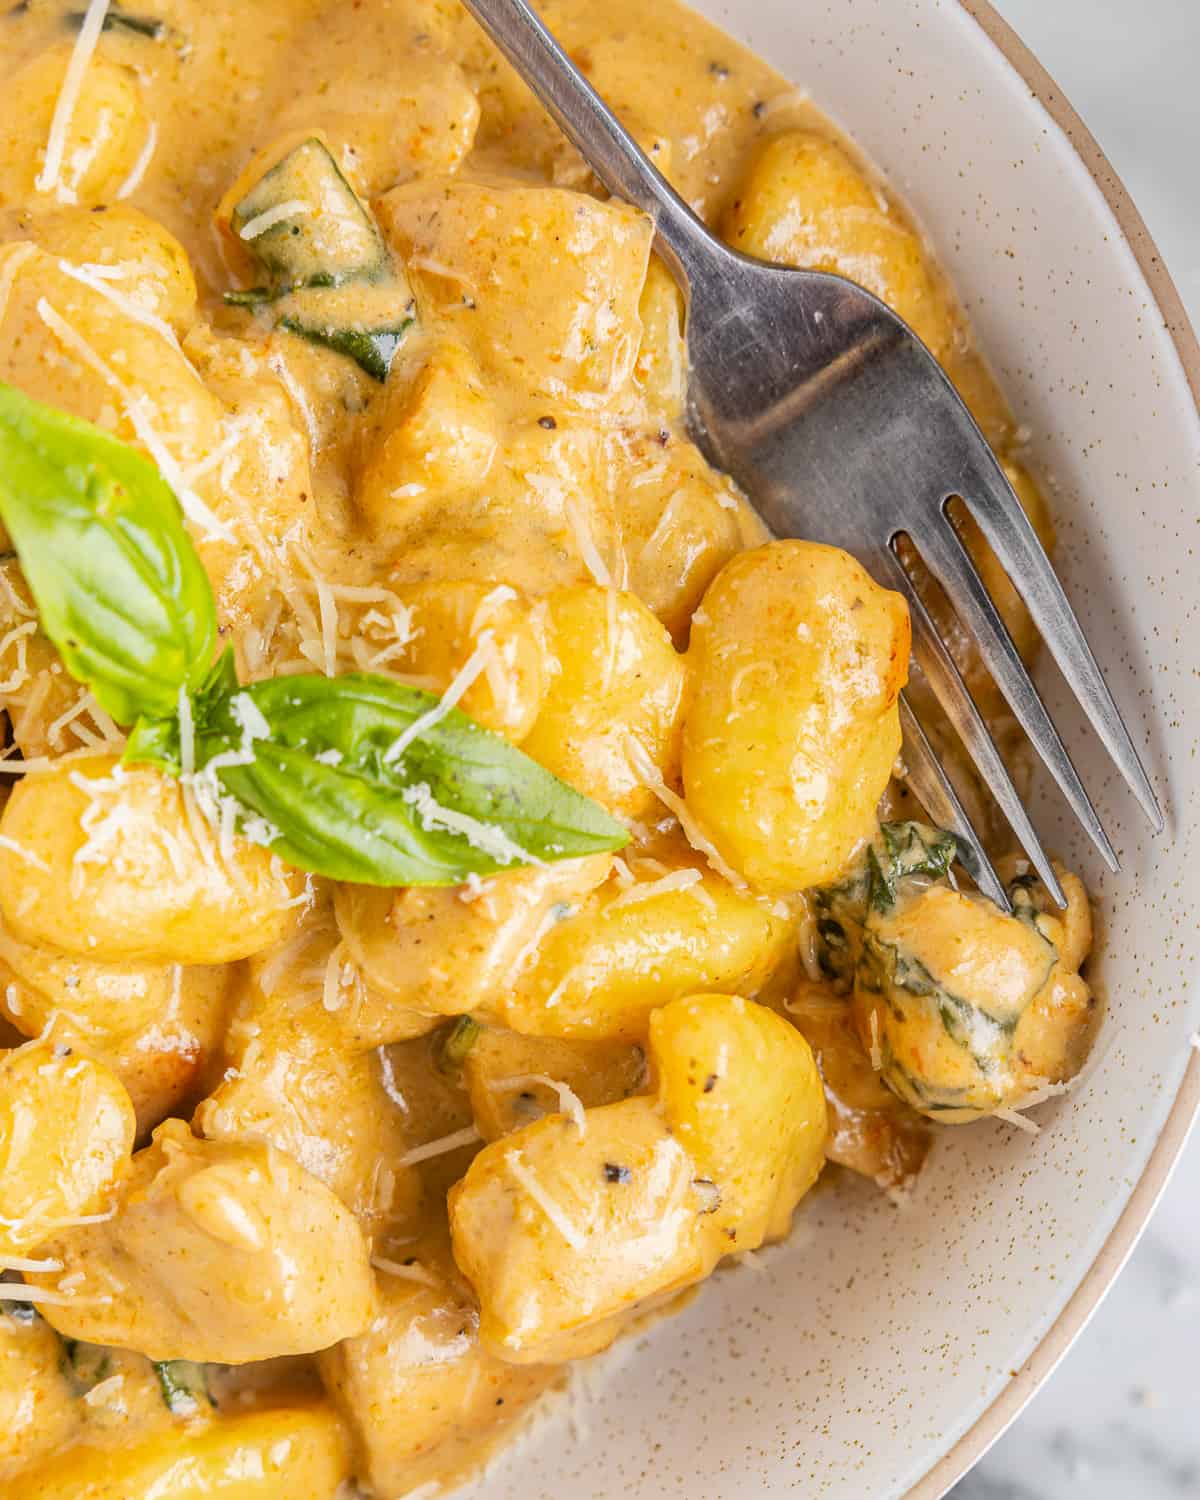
(437,433)
(615,677)
(805,202)
(542,284)
(514,1080)
(428,952)
(741,1092)
(221,1252)
(796,662)
(600,972)
(965,1009)
(450,621)
(561,1231)
(681,522)
(39,1405)
(66,1134)
(137,258)
(423,1398)
(290,1081)
(157,1026)
(661,368)
(106,131)
(296,1448)
(101,860)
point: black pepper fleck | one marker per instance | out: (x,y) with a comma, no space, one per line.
(710,1083)
(548,423)
(615,1173)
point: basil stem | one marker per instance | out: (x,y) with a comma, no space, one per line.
(101,539)
(326,774)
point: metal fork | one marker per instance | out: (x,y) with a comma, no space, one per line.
(841,427)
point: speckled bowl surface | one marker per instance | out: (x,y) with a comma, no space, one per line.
(880,1350)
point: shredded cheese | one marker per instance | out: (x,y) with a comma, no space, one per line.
(485,837)
(24,1263)
(1011,1117)
(646,890)
(876,1049)
(12,1291)
(569,1101)
(48,179)
(473,668)
(136,405)
(586,543)
(516,1165)
(24,854)
(294,208)
(645,769)
(125,305)
(454,1142)
(414,1272)
(17,256)
(138,170)
(18,636)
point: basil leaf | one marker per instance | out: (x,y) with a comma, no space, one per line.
(307,759)
(118,584)
(156,741)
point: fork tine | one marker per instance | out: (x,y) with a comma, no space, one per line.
(960,708)
(931,784)
(1014,541)
(942,550)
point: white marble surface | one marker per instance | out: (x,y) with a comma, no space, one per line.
(1120,1418)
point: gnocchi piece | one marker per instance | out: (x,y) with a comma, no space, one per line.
(101,860)
(294,1449)
(600,973)
(617,678)
(662,359)
(157,1027)
(66,1134)
(560,1230)
(871,1131)
(106,131)
(681,522)
(221,1252)
(291,1082)
(137,258)
(805,203)
(475,252)
(426,952)
(449,621)
(513,1079)
(792,727)
(741,1093)
(424,1399)
(963,1009)
(437,434)
(38,1403)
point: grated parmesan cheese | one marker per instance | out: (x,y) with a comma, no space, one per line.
(586,543)
(294,208)
(569,1101)
(17,256)
(48,179)
(447,1143)
(414,1272)
(125,305)
(135,405)
(18,636)
(24,1263)
(138,170)
(485,837)
(24,854)
(513,1161)
(474,666)
(646,890)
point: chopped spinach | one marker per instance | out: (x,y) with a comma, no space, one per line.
(184,1386)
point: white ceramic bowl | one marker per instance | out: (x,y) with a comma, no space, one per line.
(882,1350)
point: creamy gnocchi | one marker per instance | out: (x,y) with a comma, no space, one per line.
(455,889)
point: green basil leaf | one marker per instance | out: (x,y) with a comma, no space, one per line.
(157,741)
(119,586)
(310,761)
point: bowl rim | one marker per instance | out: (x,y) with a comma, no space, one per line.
(1185,1110)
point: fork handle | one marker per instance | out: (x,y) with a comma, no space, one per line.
(611,152)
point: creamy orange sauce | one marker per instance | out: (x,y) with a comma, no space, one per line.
(404,1154)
